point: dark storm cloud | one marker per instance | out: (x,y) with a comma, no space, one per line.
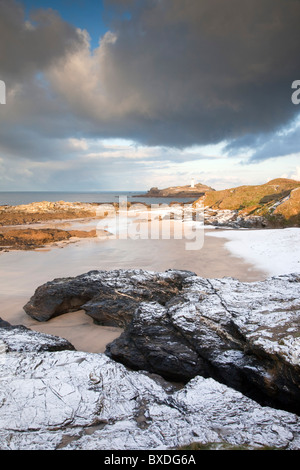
(204,71)
(171,73)
(32,114)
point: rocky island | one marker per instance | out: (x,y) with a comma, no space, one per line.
(188,191)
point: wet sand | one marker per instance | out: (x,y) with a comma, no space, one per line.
(22,272)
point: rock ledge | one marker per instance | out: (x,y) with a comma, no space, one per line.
(72,400)
(179,325)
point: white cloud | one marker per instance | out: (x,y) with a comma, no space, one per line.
(78,144)
(296,175)
(125,88)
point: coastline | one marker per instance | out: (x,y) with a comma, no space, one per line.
(276,251)
(242,254)
(23,271)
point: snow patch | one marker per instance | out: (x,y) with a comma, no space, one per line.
(275,251)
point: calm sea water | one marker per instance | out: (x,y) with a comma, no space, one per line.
(15,198)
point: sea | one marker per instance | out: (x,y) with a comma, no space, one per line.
(15,198)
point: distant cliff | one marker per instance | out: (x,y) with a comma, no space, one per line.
(179,191)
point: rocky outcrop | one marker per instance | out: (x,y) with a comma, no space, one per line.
(71,400)
(179,325)
(109,297)
(195,191)
(234,219)
(45,211)
(270,205)
(28,239)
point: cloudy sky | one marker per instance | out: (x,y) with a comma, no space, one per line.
(129,94)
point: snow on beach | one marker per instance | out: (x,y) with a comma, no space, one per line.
(275,251)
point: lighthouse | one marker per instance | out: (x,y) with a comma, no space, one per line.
(192,183)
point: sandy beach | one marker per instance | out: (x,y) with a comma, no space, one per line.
(23,271)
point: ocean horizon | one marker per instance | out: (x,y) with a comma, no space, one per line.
(15,198)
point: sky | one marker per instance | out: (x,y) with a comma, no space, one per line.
(130,94)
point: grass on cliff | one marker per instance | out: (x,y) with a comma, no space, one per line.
(260,200)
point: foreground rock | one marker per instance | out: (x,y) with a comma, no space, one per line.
(179,325)
(109,297)
(73,400)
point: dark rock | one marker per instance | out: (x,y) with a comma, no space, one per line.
(110,298)
(179,325)
(243,335)
(61,296)
(5,324)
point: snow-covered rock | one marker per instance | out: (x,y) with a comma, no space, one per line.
(84,401)
(179,325)
(245,335)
